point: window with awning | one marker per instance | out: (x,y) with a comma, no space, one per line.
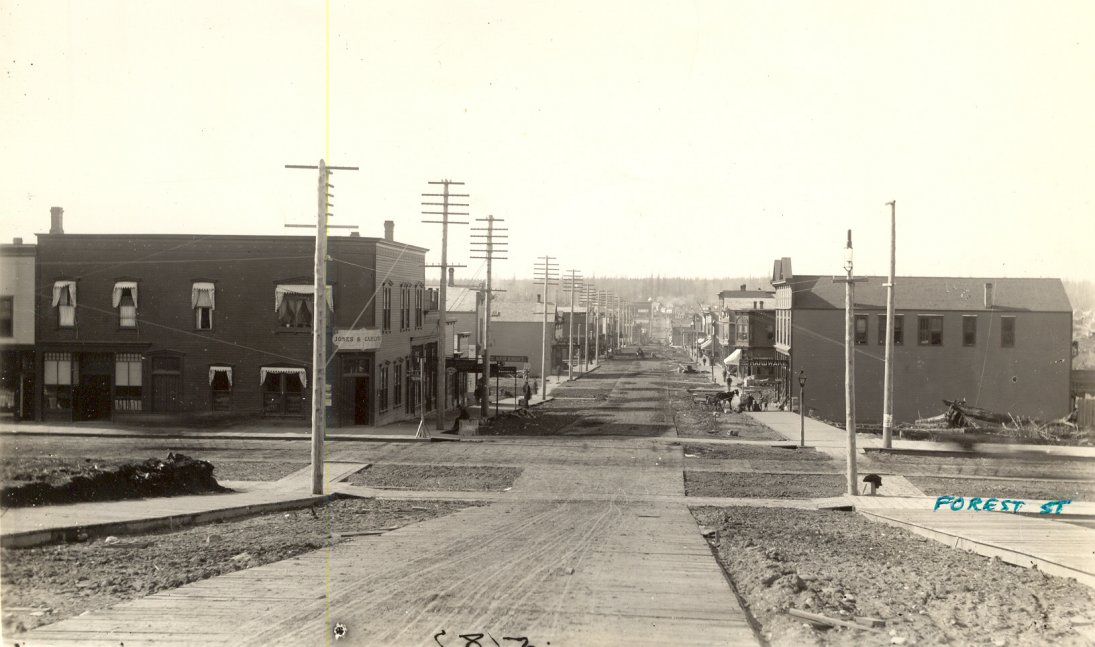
(226,371)
(203,301)
(294,304)
(64,299)
(125,300)
(267,371)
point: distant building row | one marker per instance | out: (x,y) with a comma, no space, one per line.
(1002,344)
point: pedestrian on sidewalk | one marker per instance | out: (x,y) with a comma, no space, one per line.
(528,393)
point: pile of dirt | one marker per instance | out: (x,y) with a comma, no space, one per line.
(179,474)
(47,584)
(842,565)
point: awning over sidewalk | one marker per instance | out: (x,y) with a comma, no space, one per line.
(733,358)
(705,345)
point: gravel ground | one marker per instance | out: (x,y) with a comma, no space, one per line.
(755,452)
(462,478)
(541,421)
(762,486)
(842,565)
(973,466)
(986,488)
(235,470)
(61,581)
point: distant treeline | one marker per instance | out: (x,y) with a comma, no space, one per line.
(686,291)
(673,290)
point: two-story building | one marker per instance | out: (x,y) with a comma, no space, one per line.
(213,326)
(17,330)
(1003,344)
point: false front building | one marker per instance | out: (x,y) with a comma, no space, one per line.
(195,327)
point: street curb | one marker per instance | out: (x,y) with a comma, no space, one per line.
(31,538)
(211,436)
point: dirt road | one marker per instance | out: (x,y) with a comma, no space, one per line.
(593,565)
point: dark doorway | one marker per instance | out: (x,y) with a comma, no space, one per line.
(354,401)
(361,400)
(93,397)
(283,395)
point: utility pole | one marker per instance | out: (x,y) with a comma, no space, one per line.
(320,328)
(887,387)
(849,362)
(602,296)
(547,271)
(588,288)
(571,286)
(489,249)
(442,324)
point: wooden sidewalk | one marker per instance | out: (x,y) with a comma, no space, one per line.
(1046,542)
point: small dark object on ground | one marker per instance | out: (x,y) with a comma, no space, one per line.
(179,474)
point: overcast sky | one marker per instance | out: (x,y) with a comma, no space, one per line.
(623,137)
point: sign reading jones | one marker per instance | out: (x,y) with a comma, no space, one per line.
(359,339)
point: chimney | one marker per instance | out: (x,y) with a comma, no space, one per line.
(988,296)
(17,241)
(56,220)
(452,277)
(389,230)
(355,234)
(743,287)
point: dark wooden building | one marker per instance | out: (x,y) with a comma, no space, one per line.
(209,326)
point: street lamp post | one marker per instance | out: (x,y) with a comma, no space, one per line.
(802,408)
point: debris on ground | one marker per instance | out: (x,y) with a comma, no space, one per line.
(178,474)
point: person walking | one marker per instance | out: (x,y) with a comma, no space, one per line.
(528,394)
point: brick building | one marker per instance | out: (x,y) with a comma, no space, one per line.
(197,326)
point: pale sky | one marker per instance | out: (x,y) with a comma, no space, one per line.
(623,137)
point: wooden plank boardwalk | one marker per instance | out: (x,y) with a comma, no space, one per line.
(565,573)
(1054,547)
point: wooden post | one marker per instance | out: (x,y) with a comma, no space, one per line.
(849,363)
(887,387)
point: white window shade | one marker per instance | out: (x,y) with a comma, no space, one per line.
(64,293)
(203,295)
(119,288)
(282,290)
(275,370)
(227,370)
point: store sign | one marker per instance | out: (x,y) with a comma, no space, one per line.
(357,339)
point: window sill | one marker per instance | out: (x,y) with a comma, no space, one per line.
(289,331)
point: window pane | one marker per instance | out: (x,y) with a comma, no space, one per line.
(1007,332)
(899,329)
(861,329)
(969,331)
(67,316)
(127,316)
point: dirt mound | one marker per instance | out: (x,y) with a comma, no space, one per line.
(179,474)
